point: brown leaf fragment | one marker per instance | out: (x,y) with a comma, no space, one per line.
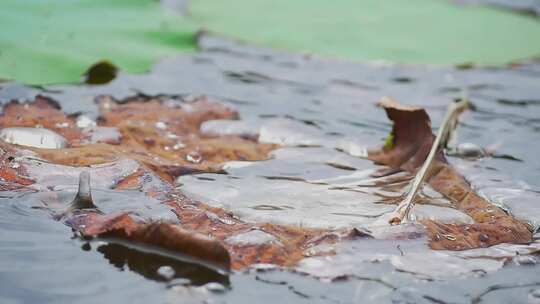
(411,137)
(161,133)
(412,140)
(11,173)
(180,118)
(492,224)
(164,137)
(162,236)
(94,224)
(469,236)
(285,248)
(169,132)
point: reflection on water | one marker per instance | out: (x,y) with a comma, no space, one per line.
(158,267)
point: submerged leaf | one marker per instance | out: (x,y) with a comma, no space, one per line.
(150,128)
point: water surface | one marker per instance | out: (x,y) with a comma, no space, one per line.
(323,112)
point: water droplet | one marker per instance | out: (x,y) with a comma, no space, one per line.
(194,157)
(215,217)
(178,146)
(483,238)
(161,125)
(83,199)
(215,287)
(263,267)
(179,282)
(470,150)
(525,260)
(171,135)
(84,121)
(62,125)
(166,272)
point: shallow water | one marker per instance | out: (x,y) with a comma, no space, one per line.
(324,113)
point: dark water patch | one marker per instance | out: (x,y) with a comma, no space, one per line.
(342,167)
(247,77)
(287,178)
(522,103)
(357,85)
(337,134)
(529,8)
(308,122)
(403,79)
(479,298)
(269,207)
(507,157)
(205,178)
(149,265)
(358,215)
(471,88)
(236,101)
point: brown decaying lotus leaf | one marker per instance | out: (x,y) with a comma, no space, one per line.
(412,137)
(411,145)
(289,247)
(200,219)
(163,136)
(143,141)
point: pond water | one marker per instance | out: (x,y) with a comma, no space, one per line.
(324,114)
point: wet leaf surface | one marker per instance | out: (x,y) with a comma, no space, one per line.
(150,128)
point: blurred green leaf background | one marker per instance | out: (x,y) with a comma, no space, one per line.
(55,41)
